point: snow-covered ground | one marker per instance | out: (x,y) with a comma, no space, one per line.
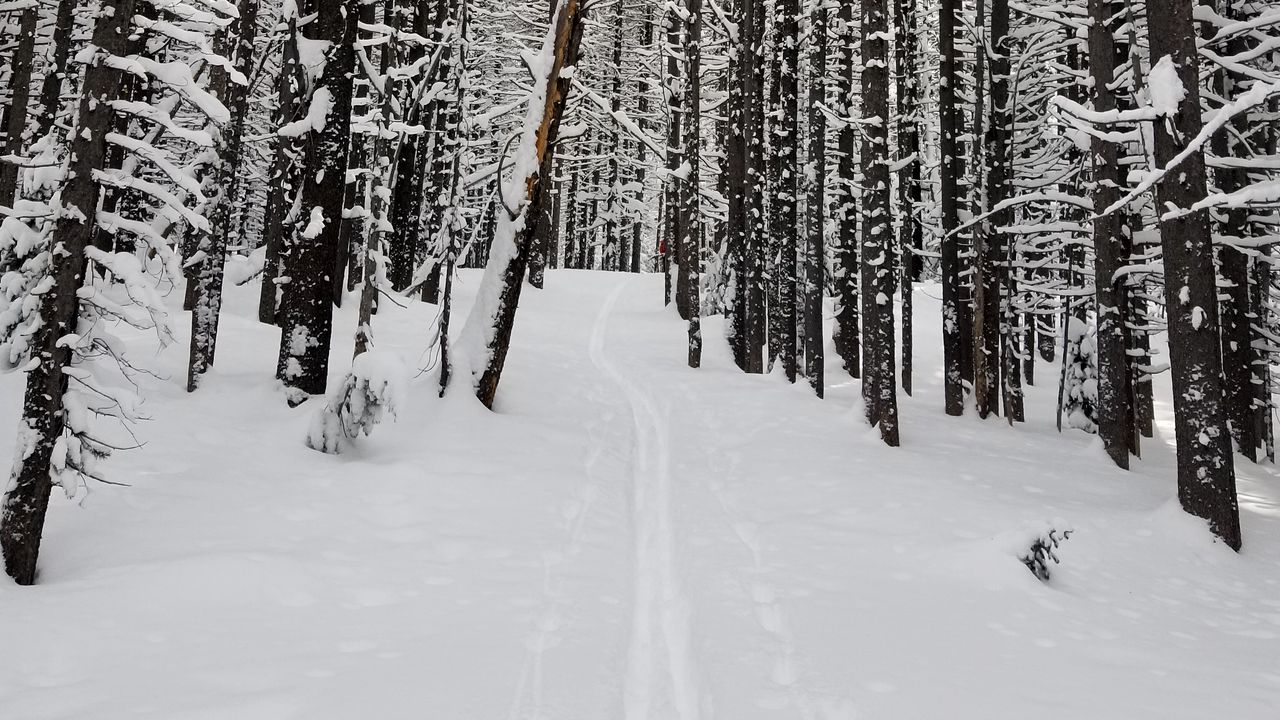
(627,538)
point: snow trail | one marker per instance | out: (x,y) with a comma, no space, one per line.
(660,606)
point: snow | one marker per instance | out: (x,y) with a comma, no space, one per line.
(1165,87)
(628,538)
(315,224)
(318,110)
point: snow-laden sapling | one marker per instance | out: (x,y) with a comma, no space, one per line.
(373,390)
(1080,376)
(1037,557)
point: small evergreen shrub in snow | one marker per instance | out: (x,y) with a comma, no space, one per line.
(1080,396)
(1042,548)
(370,392)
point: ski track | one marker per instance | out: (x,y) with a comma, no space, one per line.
(528,700)
(661,612)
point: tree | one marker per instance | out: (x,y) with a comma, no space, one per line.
(847,332)
(23,60)
(44,413)
(948,191)
(815,225)
(1110,247)
(236,44)
(1206,473)
(486,337)
(879,386)
(784,187)
(690,186)
(306,317)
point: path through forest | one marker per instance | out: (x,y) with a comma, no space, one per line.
(628,538)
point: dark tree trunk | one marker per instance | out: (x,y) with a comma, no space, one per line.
(910,230)
(986,248)
(237,47)
(690,200)
(1115,409)
(1206,475)
(43,412)
(879,389)
(815,225)
(286,173)
(757,316)
(672,232)
(785,188)
(949,201)
(19,97)
(1000,247)
(613,247)
(847,331)
(738,309)
(406,203)
(55,70)
(306,317)
(644,86)
(1236,308)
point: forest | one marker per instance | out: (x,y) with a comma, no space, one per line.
(1047,227)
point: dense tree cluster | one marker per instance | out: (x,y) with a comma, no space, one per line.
(1076,176)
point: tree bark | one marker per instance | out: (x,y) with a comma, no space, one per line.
(286,168)
(815,225)
(1115,409)
(690,198)
(949,201)
(26,500)
(879,389)
(237,48)
(306,318)
(510,267)
(19,97)
(1206,474)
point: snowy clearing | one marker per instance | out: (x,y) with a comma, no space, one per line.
(628,538)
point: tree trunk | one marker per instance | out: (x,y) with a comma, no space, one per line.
(56,65)
(911,231)
(690,199)
(1115,410)
(286,169)
(815,225)
(43,414)
(879,389)
(306,317)
(19,97)
(1206,475)
(493,323)
(1000,246)
(949,201)
(238,48)
(847,331)
(785,188)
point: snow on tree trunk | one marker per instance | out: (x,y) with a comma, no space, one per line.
(847,332)
(306,317)
(482,346)
(23,59)
(949,200)
(816,216)
(1206,473)
(44,413)
(691,225)
(1111,251)
(879,386)
(237,47)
